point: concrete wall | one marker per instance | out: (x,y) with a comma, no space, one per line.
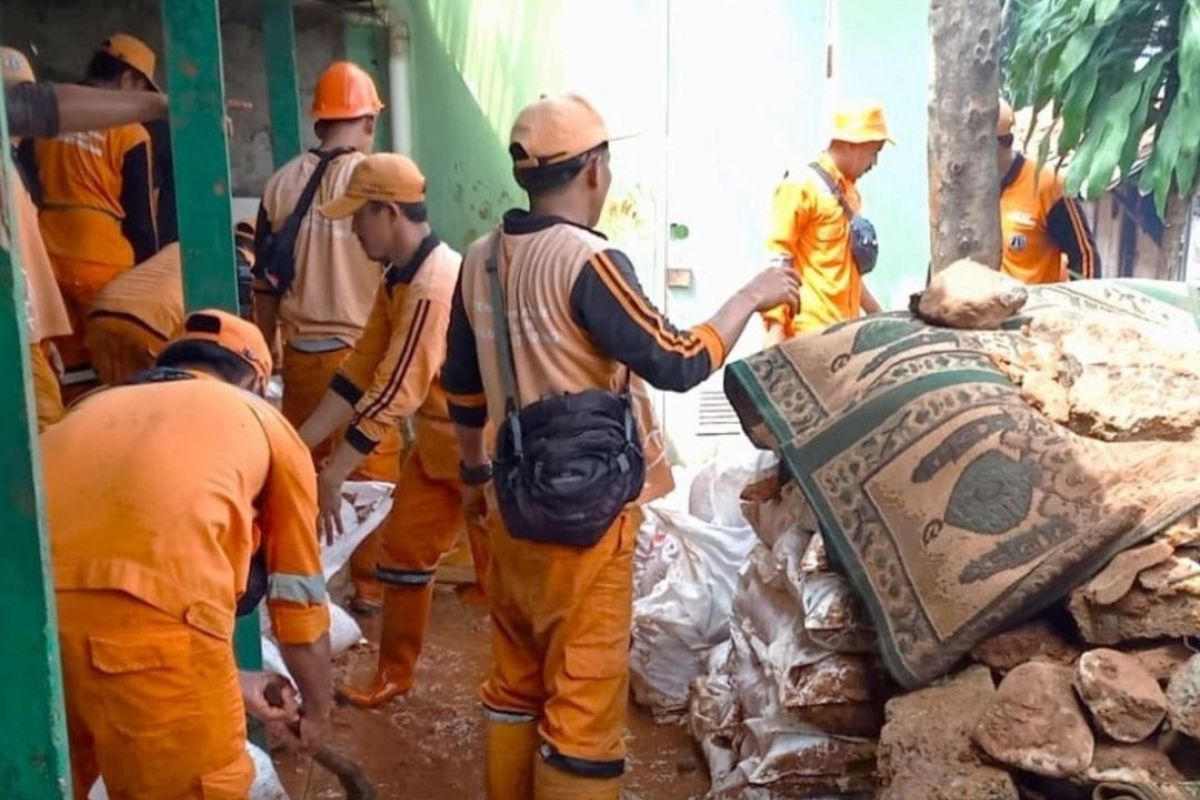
(58,36)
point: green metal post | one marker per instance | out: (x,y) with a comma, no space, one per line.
(33,740)
(368,44)
(195,84)
(279,42)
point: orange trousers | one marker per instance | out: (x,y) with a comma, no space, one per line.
(422,528)
(561,620)
(80,282)
(46,389)
(120,348)
(306,379)
(153,705)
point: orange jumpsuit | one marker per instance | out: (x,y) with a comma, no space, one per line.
(561,615)
(135,316)
(324,311)
(47,313)
(153,522)
(809,225)
(1042,228)
(393,374)
(97,214)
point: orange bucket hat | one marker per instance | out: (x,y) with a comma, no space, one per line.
(860,123)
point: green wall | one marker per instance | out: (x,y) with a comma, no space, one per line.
(473,66)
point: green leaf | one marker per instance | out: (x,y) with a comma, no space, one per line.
(1076,50)
(679,232)
(1189,48)
(1078,98)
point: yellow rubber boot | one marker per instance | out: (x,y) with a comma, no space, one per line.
(552,783)
(511,743)
(405,618)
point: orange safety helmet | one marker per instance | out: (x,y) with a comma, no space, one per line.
(345,91)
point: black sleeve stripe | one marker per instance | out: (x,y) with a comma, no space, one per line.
(634,303)
(1082,237)
(411,345)
(460,374)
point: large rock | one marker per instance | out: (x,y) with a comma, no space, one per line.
(1140,614)
(1035,723)
(1125,700)
(969,295)
(1161,660)
(1183,698)
(1136,764)
(925,749)
(1034,641)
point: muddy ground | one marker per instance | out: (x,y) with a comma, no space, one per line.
(428,745)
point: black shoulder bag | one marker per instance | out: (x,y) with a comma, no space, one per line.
(275,259)
(864,243)
(566,465)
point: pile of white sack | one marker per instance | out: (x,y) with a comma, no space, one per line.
(690,548)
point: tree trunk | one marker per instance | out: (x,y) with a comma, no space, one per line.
(964,180)
(1172,255)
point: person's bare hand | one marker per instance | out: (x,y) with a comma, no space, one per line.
(271,699)
(329,501)
(315,730)
(775,286)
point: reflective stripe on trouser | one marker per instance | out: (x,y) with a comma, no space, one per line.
(120,348)
(560,639)
(47,392)
(80,282)
(152,704)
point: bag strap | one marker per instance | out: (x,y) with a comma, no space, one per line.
(834,188)
(504,351)
(291,226)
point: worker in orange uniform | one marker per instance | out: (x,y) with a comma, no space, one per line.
(47,313)
(97,203)
(135,316)
(138,313)
(1046,235)
(578,321)
(147,579)
(811,226)
(394,373)
(317,290)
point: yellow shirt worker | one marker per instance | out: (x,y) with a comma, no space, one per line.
(1046,236)
(810,227)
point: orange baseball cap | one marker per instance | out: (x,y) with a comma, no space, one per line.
(134,52)
(551,130)
(382,177)
(233,333)
(1006,120)
(860,123)
(345,91)
(14,67)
